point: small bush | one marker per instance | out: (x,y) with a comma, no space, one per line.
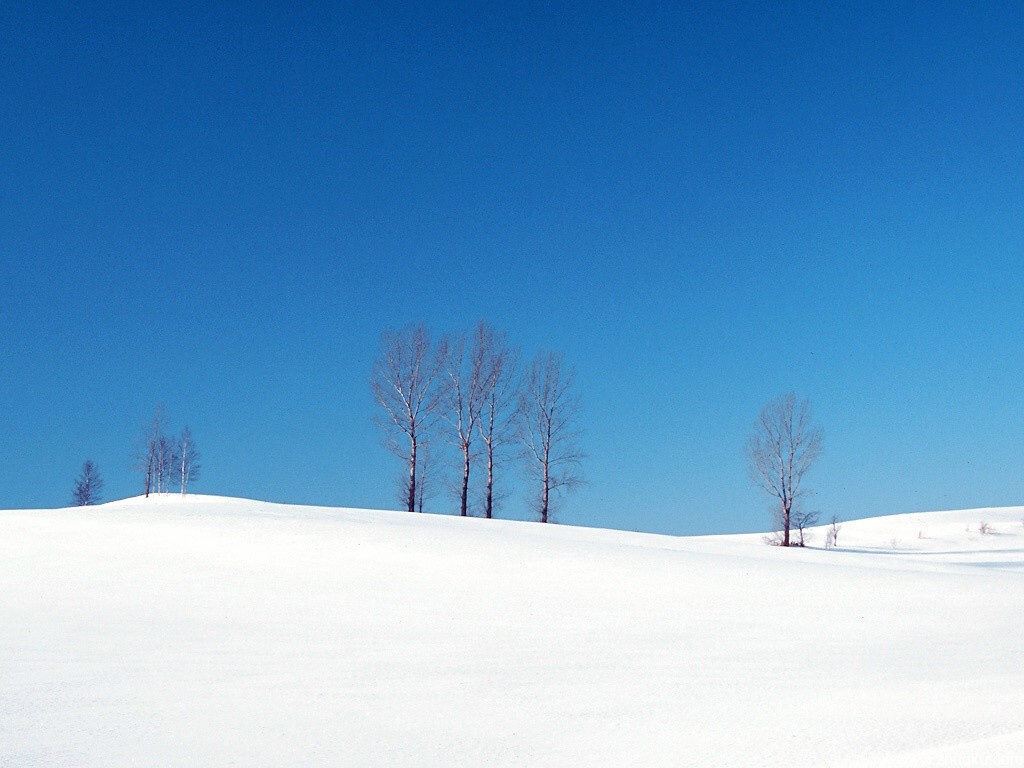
(984,528)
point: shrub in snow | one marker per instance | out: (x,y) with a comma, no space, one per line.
(984,528)
(773,539)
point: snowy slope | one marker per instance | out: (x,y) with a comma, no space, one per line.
(227,632)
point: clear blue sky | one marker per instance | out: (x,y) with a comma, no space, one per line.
(222,207)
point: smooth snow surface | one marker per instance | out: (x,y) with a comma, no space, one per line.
(215,632)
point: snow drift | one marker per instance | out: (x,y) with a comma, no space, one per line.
(212,631)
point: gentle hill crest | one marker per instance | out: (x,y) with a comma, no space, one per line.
(228,631)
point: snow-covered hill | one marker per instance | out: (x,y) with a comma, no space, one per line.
(215,632)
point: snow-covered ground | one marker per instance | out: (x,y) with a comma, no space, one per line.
(214,632)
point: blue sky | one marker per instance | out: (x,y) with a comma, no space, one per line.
(222,208)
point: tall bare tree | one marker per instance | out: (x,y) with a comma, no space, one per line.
(152,451)
(548,410)
(781,449)
(406,387)
(88,486)
(467,374)
(498,409)
(186,460)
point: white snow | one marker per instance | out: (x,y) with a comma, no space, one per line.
(215,632)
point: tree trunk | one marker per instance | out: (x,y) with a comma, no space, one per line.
(465,481)
(412,474)
(488,503)
(544,494)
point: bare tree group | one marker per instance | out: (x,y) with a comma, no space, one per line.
(782,448)
(466,392)
(165,460)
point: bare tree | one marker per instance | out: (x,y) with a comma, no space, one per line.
(406,387)
(498,410)
(150,451)
(466,386)
(186,460)
(88,486)
(548,410)
(164,462)
(781,449)
(802,521)
(832,532)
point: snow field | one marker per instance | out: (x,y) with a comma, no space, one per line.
(215,631)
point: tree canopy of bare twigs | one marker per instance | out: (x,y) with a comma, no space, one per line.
(548,411)
(406,387)
(781,449)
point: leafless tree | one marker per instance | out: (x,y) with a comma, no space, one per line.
(832,532)
(501,393)
(802,521)
(466,384)
(164,462)
(186,460)
(88,486)
(151,451)
(548,410)
(781,449)
(406,387)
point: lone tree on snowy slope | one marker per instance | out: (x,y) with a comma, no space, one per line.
(88,486)
(548,410)
(406,384)
(781,449)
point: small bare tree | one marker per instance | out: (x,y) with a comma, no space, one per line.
(186,460)
(406,387)
(782,448)
(88,486)
(832,533)
(498,411)
(548,410)
(802,521)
